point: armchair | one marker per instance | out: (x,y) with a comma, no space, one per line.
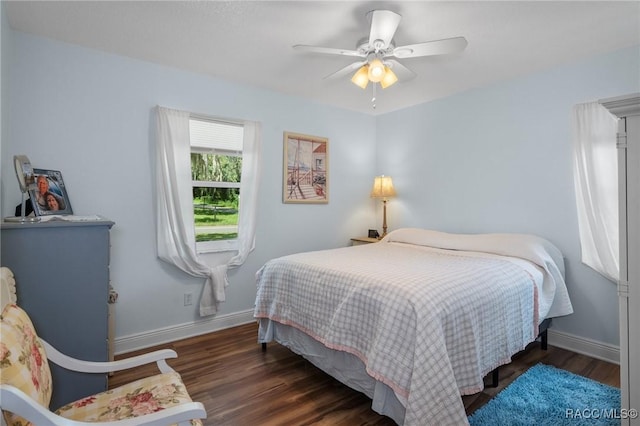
(25,381)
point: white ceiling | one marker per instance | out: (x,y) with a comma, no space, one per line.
(249,42)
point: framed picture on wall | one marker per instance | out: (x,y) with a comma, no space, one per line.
(306,169)
(50,195)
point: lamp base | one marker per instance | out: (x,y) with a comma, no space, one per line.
(384,218)
(22,219)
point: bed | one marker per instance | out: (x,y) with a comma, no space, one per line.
(416,320)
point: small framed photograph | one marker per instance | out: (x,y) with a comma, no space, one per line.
(373,233)
(306,169)
(50,195)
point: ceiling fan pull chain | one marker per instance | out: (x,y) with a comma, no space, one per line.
(373,99)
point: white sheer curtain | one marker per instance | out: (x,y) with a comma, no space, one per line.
(596,183)
(175,223)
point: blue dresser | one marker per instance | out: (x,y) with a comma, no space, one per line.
(62,277)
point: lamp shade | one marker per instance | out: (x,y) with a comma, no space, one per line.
(389,78)
(361,77)
(24,172)
(376,70)
(383,187)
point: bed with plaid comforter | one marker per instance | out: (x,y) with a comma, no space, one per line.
(429,322)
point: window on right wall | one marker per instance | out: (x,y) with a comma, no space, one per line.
(595,170)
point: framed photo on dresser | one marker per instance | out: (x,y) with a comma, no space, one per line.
(50,195)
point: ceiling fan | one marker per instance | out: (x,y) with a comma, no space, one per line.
(379,52)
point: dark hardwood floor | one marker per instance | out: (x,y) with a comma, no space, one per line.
(241,385)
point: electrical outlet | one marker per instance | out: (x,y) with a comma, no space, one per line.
(188,299)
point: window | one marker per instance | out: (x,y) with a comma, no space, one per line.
(174,190)
(216,169)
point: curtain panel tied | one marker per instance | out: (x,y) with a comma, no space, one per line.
(175,218)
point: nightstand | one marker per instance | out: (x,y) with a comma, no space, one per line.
(363,240)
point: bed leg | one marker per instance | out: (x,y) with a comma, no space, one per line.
(542,332)
(495,377)
(264,347)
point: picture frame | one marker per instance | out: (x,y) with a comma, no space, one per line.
(306,169)
(373,233)
(50,194)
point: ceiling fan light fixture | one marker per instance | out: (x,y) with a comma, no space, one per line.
(378,53)
(361,77)
(389,78)
(376,70)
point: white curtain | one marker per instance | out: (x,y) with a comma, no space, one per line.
(175,223)
(596,183)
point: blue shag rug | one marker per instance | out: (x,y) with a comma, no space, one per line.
(545,395)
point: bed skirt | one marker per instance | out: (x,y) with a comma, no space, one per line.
(343,366)
(348,368)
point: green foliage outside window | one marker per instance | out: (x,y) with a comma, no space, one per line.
(215,207)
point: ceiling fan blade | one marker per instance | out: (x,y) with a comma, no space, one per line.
(327,50)
(346,70)
(430,48)
(403,73)
(384,24)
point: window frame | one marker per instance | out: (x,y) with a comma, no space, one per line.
(220,245)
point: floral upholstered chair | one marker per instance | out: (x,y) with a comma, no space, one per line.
(25,381)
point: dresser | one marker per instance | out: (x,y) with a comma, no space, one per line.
(62,281)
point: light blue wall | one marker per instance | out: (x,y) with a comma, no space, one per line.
(5,48)
(498,159)
(488,160)
(90,115)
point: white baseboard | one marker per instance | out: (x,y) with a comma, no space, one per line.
(582,345)
(182,331)
(160,336)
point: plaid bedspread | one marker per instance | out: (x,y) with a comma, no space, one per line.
(427,322)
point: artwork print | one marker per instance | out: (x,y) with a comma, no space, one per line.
(306,171)
(50,195)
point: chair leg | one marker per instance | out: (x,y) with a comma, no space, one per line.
(264,347)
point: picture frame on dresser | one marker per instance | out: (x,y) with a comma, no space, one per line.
(50,195)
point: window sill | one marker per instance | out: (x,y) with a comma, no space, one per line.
(216,246)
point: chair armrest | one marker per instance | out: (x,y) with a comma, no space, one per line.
(82,366)
(14,400)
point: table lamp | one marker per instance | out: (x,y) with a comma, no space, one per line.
(383,188)
(26,182)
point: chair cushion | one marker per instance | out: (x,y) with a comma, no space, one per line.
(23,361)
(134,399)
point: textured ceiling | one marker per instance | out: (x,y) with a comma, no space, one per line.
(250,42)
